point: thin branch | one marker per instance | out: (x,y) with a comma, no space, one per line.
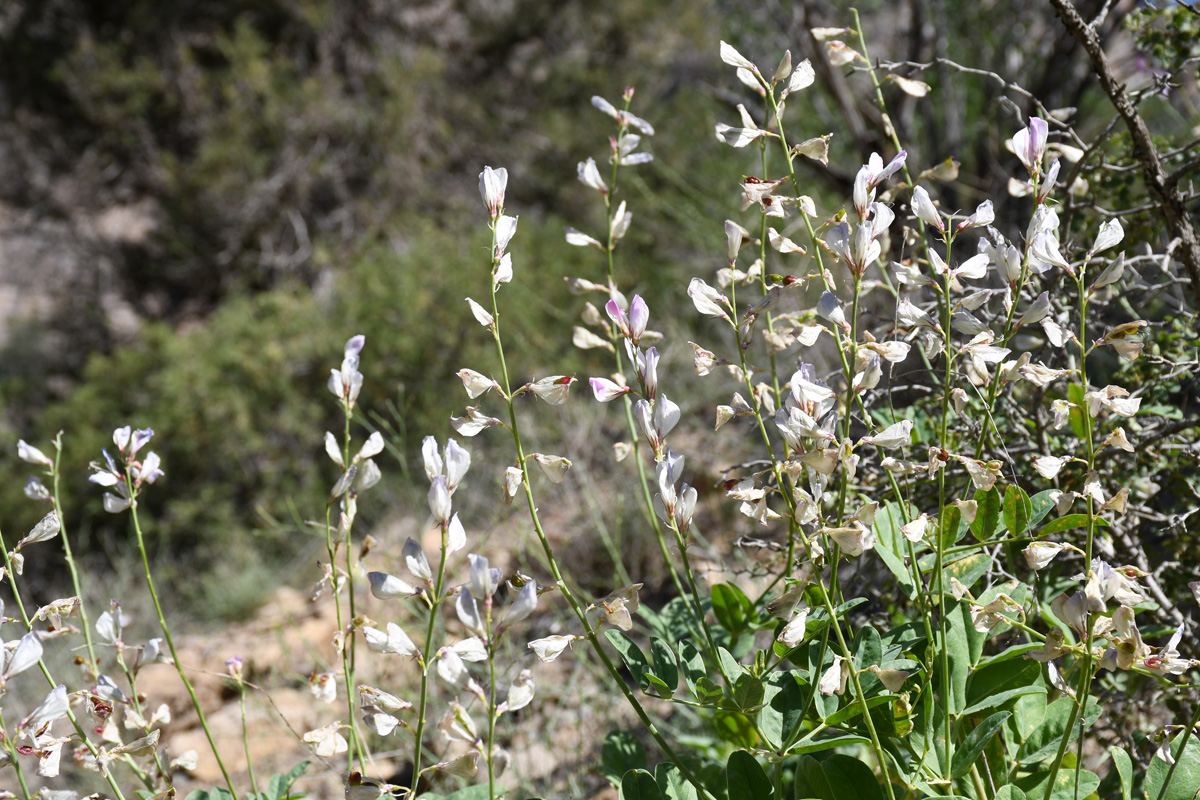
(1170,201)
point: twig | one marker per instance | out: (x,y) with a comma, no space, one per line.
(1169,199)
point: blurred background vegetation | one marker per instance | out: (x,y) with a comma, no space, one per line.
(201,200)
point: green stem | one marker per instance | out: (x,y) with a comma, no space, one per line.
(1187,735)
(11,749)
(552,563)
(93,663)
(246,737)
(162,621)
(79,729)
(424,660)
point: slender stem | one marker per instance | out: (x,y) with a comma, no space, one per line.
(331,548)
(1187,736)
(489,756)
(162,622)
(79,729)
(70,558)
(1089,661)
(349,646)
(423,659)
(246,737)
(552,563)
(11,748)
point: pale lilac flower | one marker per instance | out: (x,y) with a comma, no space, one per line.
(484,579)
(1029,144)
(606,390)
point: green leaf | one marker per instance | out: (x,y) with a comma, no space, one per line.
(1068,522)
(1001,677)
(693,666)
(638,784)
(1064,784)
(746,779)
(867,647)
(730,667)
(1123,766)
(279,785)
(1185,781)
(731,607)
(850,779)
(952,526)
(827,744)
(1000,698)
(1042,503)
(734,727)
(672,783)
(1017,510)
(779,720)
(958,650)
(665,665)
(891,546)
(1009,792)
(854,708)
(1044,741)
(632,655)
(475,793)
(620,753)
(748,692)
(216,793)
(969,568)
(987,515)
(972,746)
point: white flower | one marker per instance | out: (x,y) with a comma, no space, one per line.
(589,175)
(551,647)
(30,454)
(555,467)
(389,587)
(327,741)
(492,183)
(707,299)
(394,642)
(475,383)
(835,678)
(1039,554)
(793,632)
(553,390)
(896,435)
